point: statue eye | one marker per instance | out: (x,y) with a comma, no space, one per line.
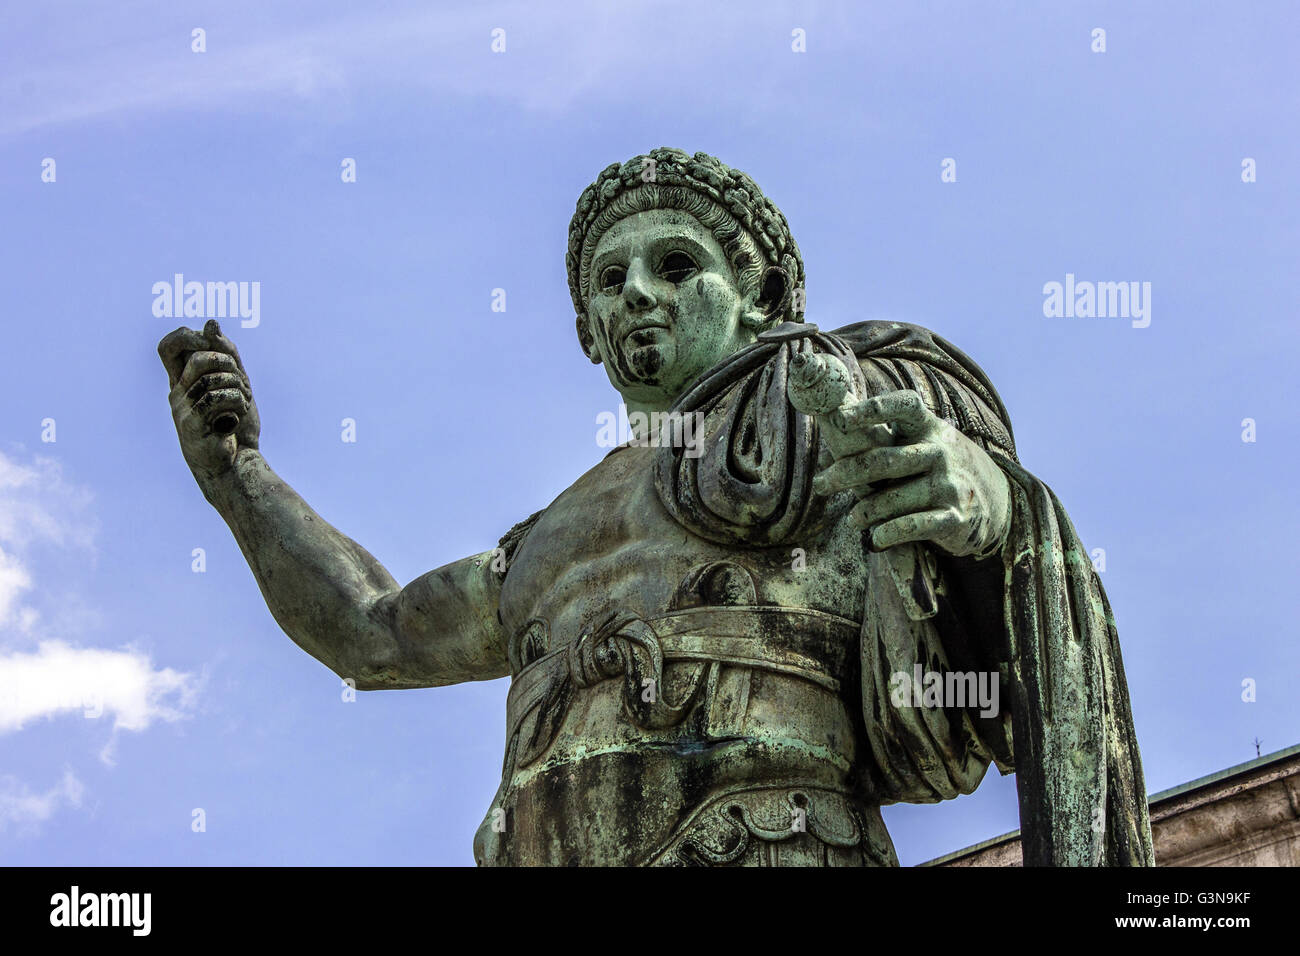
(677,267)
(611,280)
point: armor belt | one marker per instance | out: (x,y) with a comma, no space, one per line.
(798,642)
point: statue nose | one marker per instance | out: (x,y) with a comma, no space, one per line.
(637,291)
(640,301)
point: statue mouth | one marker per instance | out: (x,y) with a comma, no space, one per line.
(643,335)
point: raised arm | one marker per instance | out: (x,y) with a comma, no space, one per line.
(324,590)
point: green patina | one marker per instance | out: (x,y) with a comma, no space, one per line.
(700,645)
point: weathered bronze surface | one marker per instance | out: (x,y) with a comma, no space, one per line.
(734,639)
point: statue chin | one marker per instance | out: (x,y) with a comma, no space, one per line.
(648,364)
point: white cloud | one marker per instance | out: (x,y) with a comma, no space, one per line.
(94,683)
(38,508)
(43,673)
(14,580)
(38,504)
(22,807)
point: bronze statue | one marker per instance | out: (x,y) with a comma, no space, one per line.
(845,591)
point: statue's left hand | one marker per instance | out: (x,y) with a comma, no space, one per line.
(943,488)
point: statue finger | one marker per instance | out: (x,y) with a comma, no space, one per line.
(903,409)
(924,526)
(858,439)
(220,342)
(174,349)
(212,404)
(911,497)
(203,363)
(216,381)
(878,464)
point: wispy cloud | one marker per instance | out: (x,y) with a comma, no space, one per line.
(25,808)
(250,61)
(43,673)
(14,580)
(38,508)
(140,60)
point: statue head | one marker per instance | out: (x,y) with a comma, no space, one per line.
(675,262)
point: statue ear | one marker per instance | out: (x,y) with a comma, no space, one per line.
(772,300)
(587,340)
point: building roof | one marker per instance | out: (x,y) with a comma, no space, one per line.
(1181,790)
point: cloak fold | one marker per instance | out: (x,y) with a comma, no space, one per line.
(1040,619)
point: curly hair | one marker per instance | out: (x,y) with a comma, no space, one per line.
(753,233)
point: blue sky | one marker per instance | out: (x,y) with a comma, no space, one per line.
(376,305)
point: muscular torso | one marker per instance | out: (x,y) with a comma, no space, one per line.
(612,787)
(608,543)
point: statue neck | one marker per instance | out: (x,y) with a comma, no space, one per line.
(639,424)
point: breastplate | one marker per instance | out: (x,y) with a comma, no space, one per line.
(654,673)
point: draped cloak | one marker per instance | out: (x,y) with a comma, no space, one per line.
(1037,615)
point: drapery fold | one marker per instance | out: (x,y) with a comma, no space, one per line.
(1044,623)
(1082,793)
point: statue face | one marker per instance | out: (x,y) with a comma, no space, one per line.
(664,306)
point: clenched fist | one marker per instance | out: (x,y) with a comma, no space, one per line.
(212,401)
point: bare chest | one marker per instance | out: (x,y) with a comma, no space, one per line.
(608,544)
